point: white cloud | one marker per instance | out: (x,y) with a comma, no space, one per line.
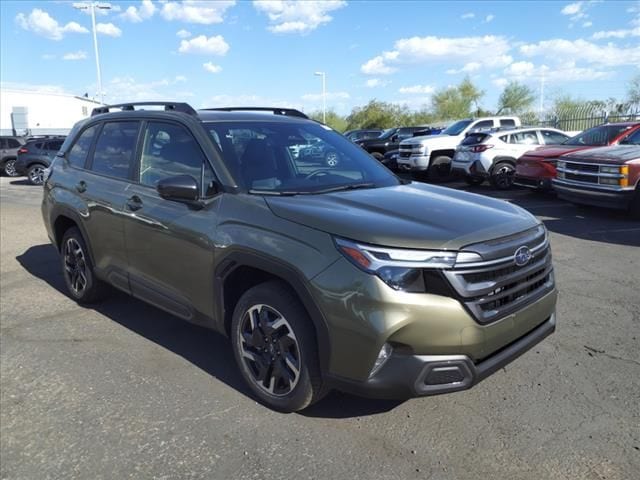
(43,24)
(634,32)
(48,56)
(467,16)
(193,11)
(212,68)
(560,50)
(567,72)
(180,78)
(138,14)
(500,82)
(317,97)
(375,82)
(572,8)
(225,100)
(417,89)
(183,33)
(201,44)
(127,89)
(288,16)
(489,18)
(33,87)
(587,24)
(468,68)
(79,55)
(108,29)
(488,50)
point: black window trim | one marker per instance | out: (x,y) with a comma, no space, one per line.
(89,161)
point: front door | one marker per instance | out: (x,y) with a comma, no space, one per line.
(169,243)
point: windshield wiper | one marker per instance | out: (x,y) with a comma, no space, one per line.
(274,192)
(349,186)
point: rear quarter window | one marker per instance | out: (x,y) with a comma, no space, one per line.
(13,143)
(474,139)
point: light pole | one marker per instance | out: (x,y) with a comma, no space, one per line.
(91,6)
(324,95)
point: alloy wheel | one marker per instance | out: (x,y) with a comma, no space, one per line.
(75,266)
(504,176)
(10,168)
(270,350)
(36,175)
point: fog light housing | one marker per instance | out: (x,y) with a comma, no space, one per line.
(608,181)
(383,356)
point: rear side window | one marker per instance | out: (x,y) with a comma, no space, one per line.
(553,138)
(77,156)
(633,139)
(54,146)
(169,150)
(114,150)
(507,122)
(13,143)
(524,138)
(484,124)
(38,146)
(474,138)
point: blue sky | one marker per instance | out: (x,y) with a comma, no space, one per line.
(216,53)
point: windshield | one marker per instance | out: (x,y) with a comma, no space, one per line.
(597,136)
(387,133)
(456,128)
(295,158)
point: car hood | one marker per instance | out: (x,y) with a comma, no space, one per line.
(554,151)
(614,154)
(411,216)
(433,141)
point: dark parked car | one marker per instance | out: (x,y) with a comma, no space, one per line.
(9,153)
(344,277)
(354,135)
(35,156)
(389,140)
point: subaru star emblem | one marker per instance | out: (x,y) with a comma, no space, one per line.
(522,256)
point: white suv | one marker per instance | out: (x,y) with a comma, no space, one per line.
(493,154)
(433,153)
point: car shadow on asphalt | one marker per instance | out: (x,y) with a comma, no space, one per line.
(22,182)
(204,348)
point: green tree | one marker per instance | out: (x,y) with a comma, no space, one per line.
(334,120)
(457,102)
(515,98)
(375,114)
(633,90)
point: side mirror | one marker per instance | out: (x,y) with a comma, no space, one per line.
(182,188)
(394,138)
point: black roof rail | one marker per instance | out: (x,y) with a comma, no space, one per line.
(168,107)
(290,112)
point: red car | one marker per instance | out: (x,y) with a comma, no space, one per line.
(536,168)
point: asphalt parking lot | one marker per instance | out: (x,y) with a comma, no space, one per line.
(126,391)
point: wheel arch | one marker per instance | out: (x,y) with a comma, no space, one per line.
(62,220)
(241,270)
(442,153)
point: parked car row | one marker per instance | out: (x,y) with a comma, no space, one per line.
(29,156)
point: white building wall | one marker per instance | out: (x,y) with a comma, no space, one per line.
(47,113)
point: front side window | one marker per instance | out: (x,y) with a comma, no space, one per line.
(597,136)
(295,158)
(115,148)
(77,156)
(456,128)
(632,139)
(169,150)
(553,138)
(524,138)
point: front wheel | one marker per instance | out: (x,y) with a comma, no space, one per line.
(10,168)
(35,174)
(274,345)
(502,176)
(440,168)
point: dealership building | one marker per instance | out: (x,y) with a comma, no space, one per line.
(24,112)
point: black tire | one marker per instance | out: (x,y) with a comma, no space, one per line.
(261,351)
(634,206)
(440,168)
(502,175)
(35,174)
(9,168)
(378,156)
(471,180)
(77,269)
(331,159)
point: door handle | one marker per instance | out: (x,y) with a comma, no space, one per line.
(81,186)
(134,203)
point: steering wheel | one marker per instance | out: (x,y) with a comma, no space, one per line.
(317,173)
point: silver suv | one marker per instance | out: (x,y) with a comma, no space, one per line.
(492,154)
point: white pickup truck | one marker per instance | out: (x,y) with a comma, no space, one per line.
(432,154)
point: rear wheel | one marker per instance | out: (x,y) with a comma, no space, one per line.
(77,269)
(378,156)
(274,345)
(35,174)
(10,168)
(502,176)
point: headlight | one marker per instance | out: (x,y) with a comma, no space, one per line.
(403,269)
(604,169)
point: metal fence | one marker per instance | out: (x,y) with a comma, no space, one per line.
(577,119)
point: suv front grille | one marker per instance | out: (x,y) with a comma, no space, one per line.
(583,167)
(407,150)
(491,290)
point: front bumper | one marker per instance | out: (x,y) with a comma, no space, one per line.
(414,163)
(592,195)
(537,183)
(407,376)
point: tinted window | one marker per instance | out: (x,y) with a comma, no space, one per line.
(633,139)
(553,138)
(54,145)
(474,138)
(405,133)
(38,146)
(77,156)
(3,143)
(296,157)
(456,128)
(507,122)
(598,136)
(524,138)
(13,143)
(484,124)
(169,150)
(115,148)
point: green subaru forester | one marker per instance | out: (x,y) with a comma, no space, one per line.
(323,268)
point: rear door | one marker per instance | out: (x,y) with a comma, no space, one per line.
(102,184)
(169,243)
